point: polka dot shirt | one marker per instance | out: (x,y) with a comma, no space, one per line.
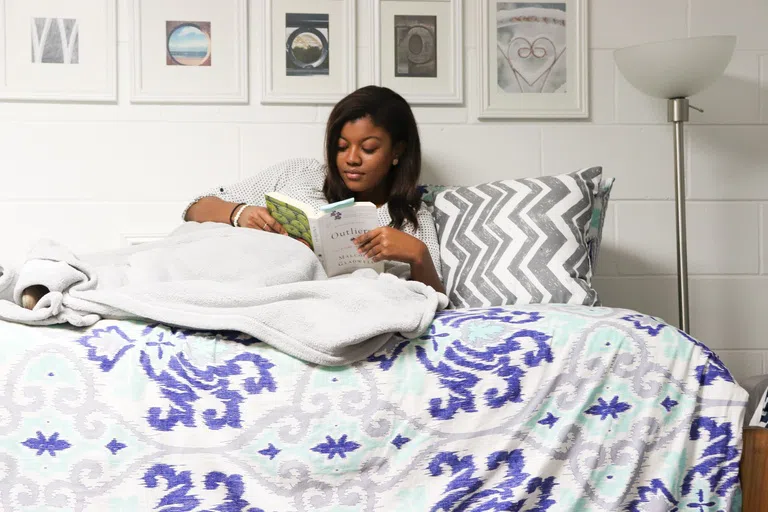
(302,179)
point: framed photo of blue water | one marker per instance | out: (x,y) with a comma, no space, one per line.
(309,51)
(190,51)
(58,51)
(533,59)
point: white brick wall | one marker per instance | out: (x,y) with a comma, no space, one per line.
(94,175)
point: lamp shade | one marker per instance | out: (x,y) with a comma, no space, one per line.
(678,68)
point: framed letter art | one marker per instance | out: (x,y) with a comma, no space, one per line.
(58,51)
(309,51)
(190,51)
(417,48)
(533,59)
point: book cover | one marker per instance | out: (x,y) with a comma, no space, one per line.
(293,215)
(339,228)
(329,233)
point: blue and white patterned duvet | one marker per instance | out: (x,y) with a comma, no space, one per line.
(540,408)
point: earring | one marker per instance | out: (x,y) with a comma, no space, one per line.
(394,162)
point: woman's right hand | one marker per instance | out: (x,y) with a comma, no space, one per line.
(258,217)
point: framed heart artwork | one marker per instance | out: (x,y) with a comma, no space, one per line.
(533,59)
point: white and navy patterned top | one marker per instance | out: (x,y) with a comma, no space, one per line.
(302,179)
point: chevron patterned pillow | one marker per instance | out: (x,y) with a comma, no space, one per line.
(518,241)
(599,208)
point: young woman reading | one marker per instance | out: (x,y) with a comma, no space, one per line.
(373,153)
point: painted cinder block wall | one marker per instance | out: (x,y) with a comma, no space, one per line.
(101,176)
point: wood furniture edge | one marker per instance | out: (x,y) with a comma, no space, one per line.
(754,469)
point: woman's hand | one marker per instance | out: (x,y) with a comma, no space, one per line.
(391,244)
(258,217)
(394,245)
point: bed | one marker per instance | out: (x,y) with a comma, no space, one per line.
(526,394)
(542,407)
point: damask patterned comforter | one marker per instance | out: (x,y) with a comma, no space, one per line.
(518,408)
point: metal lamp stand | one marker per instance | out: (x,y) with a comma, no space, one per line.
(677,113)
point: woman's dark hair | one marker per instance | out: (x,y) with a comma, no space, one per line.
(389,111)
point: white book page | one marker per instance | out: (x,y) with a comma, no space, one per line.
(339,229)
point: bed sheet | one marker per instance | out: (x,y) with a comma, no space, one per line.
(538,407)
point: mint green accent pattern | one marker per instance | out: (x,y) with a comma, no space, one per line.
(599,210)
(541,407)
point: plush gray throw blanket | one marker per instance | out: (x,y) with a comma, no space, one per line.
(215,277)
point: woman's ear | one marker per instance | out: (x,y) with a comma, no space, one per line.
(397,152)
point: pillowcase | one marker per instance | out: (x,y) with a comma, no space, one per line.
(520,241)
(600,207)
(595,233)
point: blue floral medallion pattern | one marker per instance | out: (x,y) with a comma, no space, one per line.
(51,445)
(534,408)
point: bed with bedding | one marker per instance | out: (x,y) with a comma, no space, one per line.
(538,407)
(524,394)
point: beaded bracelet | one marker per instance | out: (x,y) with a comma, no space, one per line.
(237,215)
(233,212)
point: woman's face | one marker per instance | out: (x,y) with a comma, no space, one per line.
(364,158)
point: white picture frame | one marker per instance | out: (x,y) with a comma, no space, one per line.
(533,60)
(322,68)
(58,51)
(189,51)
(434,75)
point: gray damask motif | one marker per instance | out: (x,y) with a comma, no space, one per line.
(492,406)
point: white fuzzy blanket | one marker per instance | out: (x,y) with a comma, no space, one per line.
(215,277)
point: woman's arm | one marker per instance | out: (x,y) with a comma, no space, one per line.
(213,209)
(216,205)
(423,269)
(388,243)
(428,272)
(210,209)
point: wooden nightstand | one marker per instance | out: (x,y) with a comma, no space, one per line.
(754,470)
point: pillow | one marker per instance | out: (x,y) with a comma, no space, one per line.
(594,235)
(520,241)
(428,193)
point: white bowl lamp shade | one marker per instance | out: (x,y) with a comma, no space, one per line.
(678,68)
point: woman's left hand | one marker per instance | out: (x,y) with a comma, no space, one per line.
(391,244)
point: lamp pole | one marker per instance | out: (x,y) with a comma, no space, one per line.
(677,113)
(675,70)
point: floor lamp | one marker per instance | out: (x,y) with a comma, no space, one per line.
(675,70)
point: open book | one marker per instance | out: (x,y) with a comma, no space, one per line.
(329,231)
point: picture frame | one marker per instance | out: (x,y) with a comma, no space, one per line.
(58,51)
(418,49)
(310,51)
(533,59)
(189,51)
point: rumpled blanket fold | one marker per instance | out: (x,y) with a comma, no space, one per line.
(215,277)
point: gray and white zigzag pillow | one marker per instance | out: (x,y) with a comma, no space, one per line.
(518,241)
